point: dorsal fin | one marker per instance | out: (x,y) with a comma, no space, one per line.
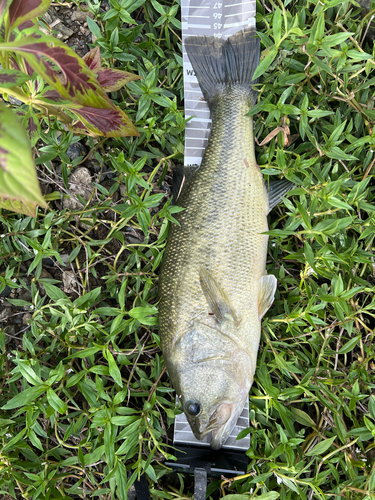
(217,299)
(276,190)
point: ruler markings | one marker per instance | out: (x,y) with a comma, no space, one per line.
(240,3)
(205,120)
(201,129)
(195,109)
(203,26)
(232,25)
(239,13)
(218,19)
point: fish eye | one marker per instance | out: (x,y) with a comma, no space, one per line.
(193,409)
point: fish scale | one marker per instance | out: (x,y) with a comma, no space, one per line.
(221,228)
(213,284)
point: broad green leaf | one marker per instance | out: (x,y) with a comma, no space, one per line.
(94,28)
(84,353)
(336,39)
(11,444)
(237,496)
(25,397)
(29,373)
(121,480)
(321,64)
(27,208)
(54,292)
(265,63)
(276,25)
(302,417)
(318,113)
(349,346)
(338,154)
(113,368)
(56,402)
(270,495)
(321,447)
(18,179)
(158,7)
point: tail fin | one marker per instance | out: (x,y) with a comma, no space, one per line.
(220,63)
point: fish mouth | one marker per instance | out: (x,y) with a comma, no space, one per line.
(219,436)
(221,433)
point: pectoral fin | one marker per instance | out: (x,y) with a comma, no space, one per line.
(217,299)
(276,190)
(267,288)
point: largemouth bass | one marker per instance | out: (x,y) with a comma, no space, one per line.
(214,288)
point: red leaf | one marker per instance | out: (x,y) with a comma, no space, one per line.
(92,58)
(77,84)
(21,11)
(27,24)
(52,95)
(110,122)
(111,79)
(75,81)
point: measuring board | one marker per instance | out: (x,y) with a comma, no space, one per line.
(211,18)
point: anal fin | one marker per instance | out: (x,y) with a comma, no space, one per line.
(267,289)
(217,299)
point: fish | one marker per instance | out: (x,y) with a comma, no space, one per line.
(213,287)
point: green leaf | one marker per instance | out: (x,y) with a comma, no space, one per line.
(54,292)
(113,368)
(265,63)
(11,444)
(121,480)
(93,27)
(276,25)
(302,417)
(56,403)
(25,397)
(29,373)
(318,113)
(349,346)
(158,7)
(270,495)
(18,179)
(321,447)
(336,39)
(143,315)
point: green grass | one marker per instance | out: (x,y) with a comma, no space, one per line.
(86,403)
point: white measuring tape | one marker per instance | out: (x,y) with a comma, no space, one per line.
(211,18)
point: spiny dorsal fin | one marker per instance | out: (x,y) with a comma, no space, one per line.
(267,289)
(276,190)
(217,299)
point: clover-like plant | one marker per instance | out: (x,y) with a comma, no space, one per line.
(52,81)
